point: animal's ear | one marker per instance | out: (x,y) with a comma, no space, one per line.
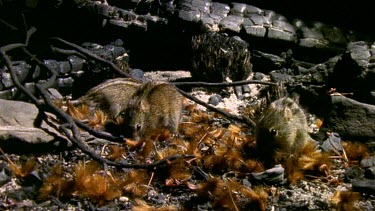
(144,105)
(288,113)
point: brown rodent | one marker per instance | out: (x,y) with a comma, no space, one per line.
(111,96)
(280,131)
(153,106)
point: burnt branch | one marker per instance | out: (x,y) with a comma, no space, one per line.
(29,32)
(99,134)
(8,64)
(67,52)
(54,75)
(8,25)
(219,111)
(224,84)
(93,56)
(80,124)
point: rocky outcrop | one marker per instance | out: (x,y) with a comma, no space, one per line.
(23,129)
(350,118)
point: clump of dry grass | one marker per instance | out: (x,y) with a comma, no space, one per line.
(87,181)
(344,200)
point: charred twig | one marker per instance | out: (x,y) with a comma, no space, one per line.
(93,56)
(11,27)
(8,64)
(58,203)
(229,115)
(29,32)
(52,79)
(11,47)
(99,134)
(223,84)
(41,88)
(66,52)
(80,124)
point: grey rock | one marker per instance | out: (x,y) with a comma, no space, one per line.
(233,17)
(311,33)
(354,72)
(350,118)
(252,10)
(312,43)
(137,73)
(6,94)
(256,19)
(215,99)
(274,175)
(60,67)
(333,144)
(232,23)
(258,76)
(193,10)
(103,9)
(267,17)
(334,35)
(266,62)
(119,23)
(370,173)
(64,67)
(118,42)
(55,94)
(21,69)
(281,29)
(37,72)
(278,76)
(275,33)
(320,73)
(5,174)
(21,128)
(353,173)
(6,80)
(246,88)
(252,26)
(209,23)
(76,63)
(239,92)
(310,36)
(191,16)
(238,8)
(65,82)
(368,162)
(364,186)
(219,9)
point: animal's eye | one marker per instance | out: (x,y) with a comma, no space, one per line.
(273,132)
(138,127)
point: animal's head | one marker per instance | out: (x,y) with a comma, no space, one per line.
(274,129)
(136,116)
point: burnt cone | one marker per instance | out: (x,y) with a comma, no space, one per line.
(216,57)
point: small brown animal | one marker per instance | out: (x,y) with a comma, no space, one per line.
(280,131)
(111,96)
(153,106)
